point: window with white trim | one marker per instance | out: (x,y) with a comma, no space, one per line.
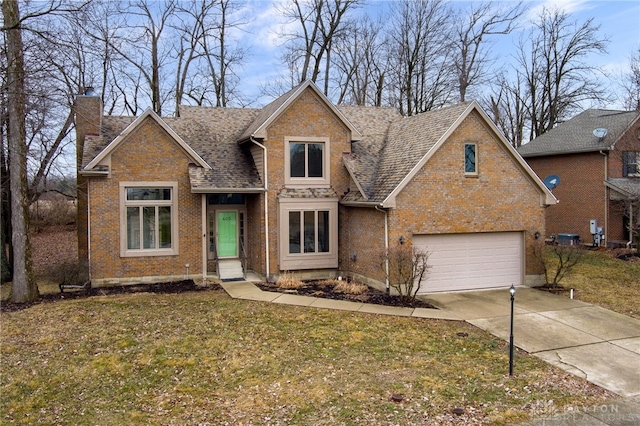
(148,219)
(307,161)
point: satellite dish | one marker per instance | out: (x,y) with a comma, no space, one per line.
(551,181)
(600,132)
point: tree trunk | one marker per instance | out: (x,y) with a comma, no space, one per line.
(25,288)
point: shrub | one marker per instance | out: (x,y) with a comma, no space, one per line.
(69,273)
(288,281)
(557,260)
(405,267)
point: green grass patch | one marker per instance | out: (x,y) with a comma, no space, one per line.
(202,357)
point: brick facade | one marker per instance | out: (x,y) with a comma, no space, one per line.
(308,116)
(148,154)
(440,199)
(582,193)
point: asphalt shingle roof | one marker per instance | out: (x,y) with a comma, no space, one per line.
(390,148)
(211,132)
(576,134)
(628,187)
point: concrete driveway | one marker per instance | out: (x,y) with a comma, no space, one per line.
(591,342)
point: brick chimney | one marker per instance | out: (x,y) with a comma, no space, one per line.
(88,111)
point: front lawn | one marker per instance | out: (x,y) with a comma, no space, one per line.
(603,279)
(204,358)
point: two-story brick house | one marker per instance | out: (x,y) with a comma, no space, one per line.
(596,156)
(307,187)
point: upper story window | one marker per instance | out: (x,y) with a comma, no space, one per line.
(470,159)
(307,161)
(148,221)
(631,164)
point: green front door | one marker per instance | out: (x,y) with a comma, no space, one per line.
(227,233)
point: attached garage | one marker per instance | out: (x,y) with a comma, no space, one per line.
(472,261)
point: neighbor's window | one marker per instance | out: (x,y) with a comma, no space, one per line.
(470,158)
(631,164)
(149,220)
(306,161)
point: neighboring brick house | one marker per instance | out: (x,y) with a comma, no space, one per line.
(596,156)
(307,187)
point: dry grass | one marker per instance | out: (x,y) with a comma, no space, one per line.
(349,287)
(204,358)
(604,280)
(289,281)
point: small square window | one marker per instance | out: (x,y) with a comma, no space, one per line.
(307,162)
(470,158)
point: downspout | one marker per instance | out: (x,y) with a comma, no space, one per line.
(266,206)
(631,225)
(88,231)
(606,198)
(386,248)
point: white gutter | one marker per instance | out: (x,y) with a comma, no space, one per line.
(386,248)
(266,206)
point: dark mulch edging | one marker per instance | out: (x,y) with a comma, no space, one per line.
(633,257)
(376,297)
(160,288)
(558,289)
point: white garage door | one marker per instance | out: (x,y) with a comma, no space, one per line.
(472,261)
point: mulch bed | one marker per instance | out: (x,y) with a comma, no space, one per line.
(70,294)
(377,297)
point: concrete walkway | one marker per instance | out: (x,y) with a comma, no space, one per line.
(596,344)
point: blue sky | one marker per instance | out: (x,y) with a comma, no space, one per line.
(619,21)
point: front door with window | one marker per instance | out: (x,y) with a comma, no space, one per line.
(227,231)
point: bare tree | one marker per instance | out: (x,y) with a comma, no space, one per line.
(507,109)
(553,61)
(308,51)
(24,286)
(142,48)
(420,33)
(190,29)
(217,50)
(631,82)
(362,63)
(473,29)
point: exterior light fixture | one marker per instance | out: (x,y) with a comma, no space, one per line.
(512,292)
(537,235)
(401,239)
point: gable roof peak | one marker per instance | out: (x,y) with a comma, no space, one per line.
(148,113)
(268,114)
